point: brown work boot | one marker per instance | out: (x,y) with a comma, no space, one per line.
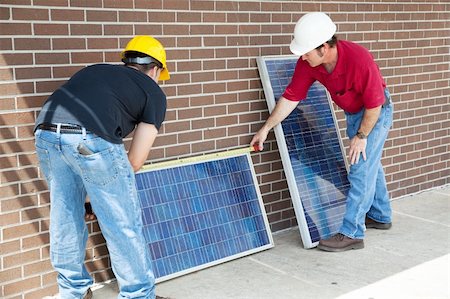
(88,294)
(370,223)
(339,242)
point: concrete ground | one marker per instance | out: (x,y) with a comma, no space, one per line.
(410,261)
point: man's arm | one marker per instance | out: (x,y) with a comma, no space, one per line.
(142,142)
(358,145)
(282,109)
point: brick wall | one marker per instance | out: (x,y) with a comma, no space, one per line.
(215,97)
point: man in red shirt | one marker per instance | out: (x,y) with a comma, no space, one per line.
(355,84)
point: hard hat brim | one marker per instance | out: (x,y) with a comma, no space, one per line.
(164,76)
(298,50)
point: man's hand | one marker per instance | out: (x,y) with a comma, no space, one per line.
(89,214)
(282,109)
(259,138)
(357,147)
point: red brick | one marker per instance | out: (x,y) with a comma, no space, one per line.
(10,218)
(18,203)
(101,16)
(32,44)
(49,279)
(227,142)
(33,73)
(203,146)
(189,137)
(175,5)
(37,268)
(10,274)
(214,133)
(41,293)
(30,14)
(8,190)
(13,232)
(67,15)
(86,29)
(133,16)
(19,286)
(214,17)
(16,59)
(7,104)
(51,29)
(52,58)
(36,241)
(202,5)
(17,28)
(177,150)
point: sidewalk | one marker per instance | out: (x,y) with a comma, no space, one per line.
(410,261)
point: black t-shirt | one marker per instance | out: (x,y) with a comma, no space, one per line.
(108,100)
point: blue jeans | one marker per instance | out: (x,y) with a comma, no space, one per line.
(107,177)
(368,193)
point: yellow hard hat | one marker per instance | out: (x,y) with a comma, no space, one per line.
(151,47)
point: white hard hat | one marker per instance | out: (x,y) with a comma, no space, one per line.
(311,30)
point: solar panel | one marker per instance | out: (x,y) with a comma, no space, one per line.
(311,152)
(199,214)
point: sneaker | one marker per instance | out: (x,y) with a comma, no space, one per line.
(370,223)
(339,242)
(88,294)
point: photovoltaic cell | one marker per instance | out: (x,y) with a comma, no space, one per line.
(311,152)
(201,214)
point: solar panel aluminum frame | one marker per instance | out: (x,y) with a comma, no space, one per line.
(283,149)
(208,158)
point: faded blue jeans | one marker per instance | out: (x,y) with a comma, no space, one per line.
(368,193)
(107,177)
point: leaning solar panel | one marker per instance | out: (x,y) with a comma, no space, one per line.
(311,152)
(200,214)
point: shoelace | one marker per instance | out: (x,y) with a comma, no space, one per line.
(339,237)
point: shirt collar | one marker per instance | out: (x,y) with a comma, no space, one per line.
(339,68)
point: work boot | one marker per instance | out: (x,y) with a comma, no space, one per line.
(339,242)
(370,223)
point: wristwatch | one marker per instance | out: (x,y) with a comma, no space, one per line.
(361,135)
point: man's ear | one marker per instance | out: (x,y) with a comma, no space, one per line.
(154,73)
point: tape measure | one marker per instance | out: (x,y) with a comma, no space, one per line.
(229,153)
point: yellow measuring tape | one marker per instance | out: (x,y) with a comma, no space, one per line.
(229,153)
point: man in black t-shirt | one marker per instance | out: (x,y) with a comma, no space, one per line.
(79,134)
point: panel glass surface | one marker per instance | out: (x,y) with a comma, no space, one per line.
(201,214)
(311,152)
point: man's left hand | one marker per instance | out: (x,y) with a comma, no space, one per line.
(357,147)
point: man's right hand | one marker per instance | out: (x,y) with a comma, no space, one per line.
(89,215)
(259,138)
(282,109)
